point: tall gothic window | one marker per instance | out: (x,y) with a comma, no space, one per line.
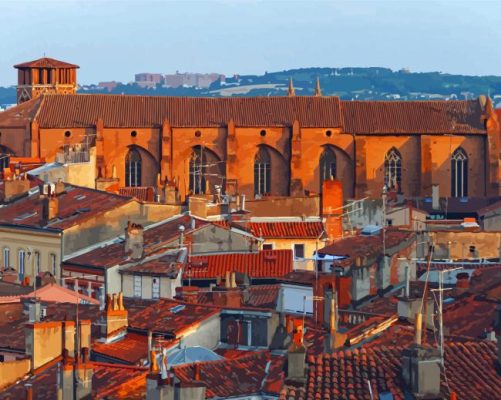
(262,172)
(459,173)
(393,170)
(197,171)
(133,168)
(327,165)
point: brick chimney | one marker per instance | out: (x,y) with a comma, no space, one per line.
(134,240)
(462,282)
(189,294)
(115,315)
(332,203)
(14,187)
(421,371)
(296,355)
(50,208)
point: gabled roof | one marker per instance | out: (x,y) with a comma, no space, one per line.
(255,373)
(82,110)
(75,205)
(154,236)
(46,62)
(286,230)
(263,264)
(413,117)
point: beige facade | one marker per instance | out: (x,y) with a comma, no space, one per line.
(147,289)
(310,246)
(30,251)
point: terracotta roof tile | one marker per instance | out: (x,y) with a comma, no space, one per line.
(130,350)
(149,111)
(46,62)
(143,193)
(286,230)
(412,117)
(76,205)
(21,115)
(241,376)
(259,296)
(264,264)
(345,373)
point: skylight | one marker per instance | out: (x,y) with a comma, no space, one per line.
(177,309)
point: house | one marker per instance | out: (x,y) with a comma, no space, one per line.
(303,237)
(45,223)
(132,263)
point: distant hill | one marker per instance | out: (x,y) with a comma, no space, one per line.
(347,83)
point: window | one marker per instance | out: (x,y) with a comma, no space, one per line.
(133,168)
(6,257)
(155,288)
(262,175)
(327,165)
(197,171)
(459,173)
(53,264)
(267,246)
(393,170)
(137,286)
(37,262)
(22,258)
(298,251)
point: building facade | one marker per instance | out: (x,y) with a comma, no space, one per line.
(273,146)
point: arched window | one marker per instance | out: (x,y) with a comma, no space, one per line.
(393,170)
(459,173)
(327,165)
(133,168)
(197,170)
(262,172)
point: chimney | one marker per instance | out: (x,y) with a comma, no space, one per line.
(15,187)
(189,294)
(192,222)
(134,240)
(29,391)
(69,337)
(243,202)
(419,328)
(435,197)
(332,203)
(66,378)
(421,371)
(34,310)
(43,341)
(233,280)
(159,382)
(334,339)
(296,355)
(59,188)
(84,372)
(115,315)
(462,282)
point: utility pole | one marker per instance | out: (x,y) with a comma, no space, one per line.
(384,196)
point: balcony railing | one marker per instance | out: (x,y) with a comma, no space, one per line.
(69,156)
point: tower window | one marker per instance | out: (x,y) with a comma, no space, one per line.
(67,133)
(327,165)
(459,173)
(197,171)
(263,133)
(133,133)
(262,172)
(328,133)
(393,170)
(133,168)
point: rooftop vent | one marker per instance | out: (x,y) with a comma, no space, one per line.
(371,230)
(177,309)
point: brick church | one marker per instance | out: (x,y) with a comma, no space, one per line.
(261,146)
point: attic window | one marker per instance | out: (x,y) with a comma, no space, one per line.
(177,309)
(67,133)
(263,133)
(133,133)
(25,215)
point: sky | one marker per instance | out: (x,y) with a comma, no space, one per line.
(113,40)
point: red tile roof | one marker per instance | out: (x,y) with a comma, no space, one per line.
(131,349)
(114,254)
(413,117)
(259,296)
(263,264)
(142,193)
(46,62)
(76,204)
(286,230)
(255,373)
(65,111)
(367,246)
(162,316)
(470,372)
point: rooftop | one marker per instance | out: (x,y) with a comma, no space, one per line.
(263,264)
(286,230)
(46,62)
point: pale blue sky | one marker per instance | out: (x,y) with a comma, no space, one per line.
(115,39)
